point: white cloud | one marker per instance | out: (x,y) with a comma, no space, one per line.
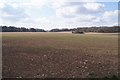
(110,17)
(58,3)
(86,14)
(1,5)
(94,7)
(85,18)
(10,13)
(43,20)
(38,3)
(76,8)
(67,13)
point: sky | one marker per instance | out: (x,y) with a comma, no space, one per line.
(49,14)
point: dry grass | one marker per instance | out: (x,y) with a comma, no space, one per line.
(59,55)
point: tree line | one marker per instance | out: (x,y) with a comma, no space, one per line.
(22,29)
(103,29)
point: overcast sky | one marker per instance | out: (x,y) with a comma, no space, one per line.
(48,14)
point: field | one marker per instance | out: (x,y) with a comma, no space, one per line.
(59,55)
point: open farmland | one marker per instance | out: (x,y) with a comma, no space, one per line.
(59,55)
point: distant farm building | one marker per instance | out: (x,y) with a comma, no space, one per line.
(78,32)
